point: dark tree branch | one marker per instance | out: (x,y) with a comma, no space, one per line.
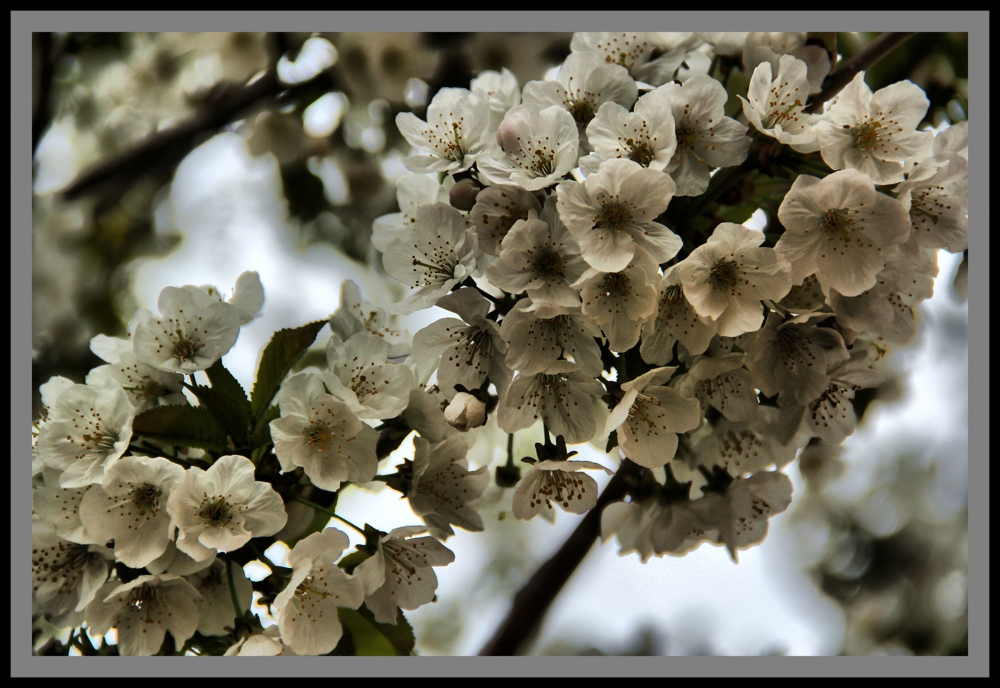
(533,600)
(866,57)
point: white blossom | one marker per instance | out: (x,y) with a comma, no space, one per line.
(221,508)
(537,337)
(215,608)
(653,526)
(266,644)
(496,211)
(674,320)
(444,491)
(130,508)
(399,574)
(836,228)
(307,607)
(145,385)
(644,136)
(777,107)
(770,46)
(619,302)
(743,447)
(65,576)
(559,482)
(501,91)
(875,133)
(535,148)
(939,202)
(728,43)
(465,412)
(636,52)
(60,507)
(361,378)
(454,135)
(412,191)
(356,315)
(560,396)
(726,278)
(722,383)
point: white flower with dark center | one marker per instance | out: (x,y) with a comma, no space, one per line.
(65,576)
(307,607)
(831,416)
(471,349)
(60,507)
(644,136)
(49,391)
(539,258)
(444,492)
(560,396)
(612,212)
(220,509)
(399,574)
(496,211)
(145,385)
(770,46)
(674,320)
(454,135)
(537,337)
(559,482)
(792,357)
(437,255)
(742,512)
(361,378)
(356,315)
(535,148)
(726,278)
(143,610)
(649,57)
(266,644)
(86,432)
(215,608)
(501,91)
(321,434)
(939,202)
(649,417)
(653,527)
(807,297)
(836,227)
(875,133)
(705,136)
(412,191)
(619,302)
(722,383)
(193,332)
(725,42)
(130,508)
(746,447)
(583,83)
(777,107)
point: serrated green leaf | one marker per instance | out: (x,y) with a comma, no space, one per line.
(230,413)
(223,381)
(372,638)
(262,435)
(187,426)
(285,348)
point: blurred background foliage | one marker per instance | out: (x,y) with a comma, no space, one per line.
(115,113)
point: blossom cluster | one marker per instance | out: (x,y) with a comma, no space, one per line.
(569,227)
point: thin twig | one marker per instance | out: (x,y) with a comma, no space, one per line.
(865,58)
(533,600)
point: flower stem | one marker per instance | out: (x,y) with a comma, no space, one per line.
(324,510)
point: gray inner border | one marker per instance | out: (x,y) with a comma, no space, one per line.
(22,23)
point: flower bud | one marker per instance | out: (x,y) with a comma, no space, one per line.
(465,412)
(463,194)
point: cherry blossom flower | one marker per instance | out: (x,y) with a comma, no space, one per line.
(722,383)
(583,83)
(444,491)
(65,576)
(438,255)
(356,315)
(412,191)
(726,278)
(60,507)
(725,42)
(674,320)
(649,417)
(619,302)
(653,526)
(215,608)
(496,211)
(86,432)
(399,574)
(644,136)
(454,135)
(770,46)
(465,412)
(875,133)
(361,378)
(307,607)
(538,337)
(612,212)
(221,508)
(501,91)
(247,299)
(145,385)
(143,610)
(266,644)
(535,147)
(321,434)
(560,396)
(836,227)
(743,447)
(193,332)
(777,107)
(636,52)
(939,202)
(471,349)
(559,482)
(705,136)
(130,508)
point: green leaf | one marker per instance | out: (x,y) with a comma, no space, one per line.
(372,638)
(262,435)
(285,348)
(234,418)
(223,381)
(187,426)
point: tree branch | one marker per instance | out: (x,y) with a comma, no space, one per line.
(534,599)
(866,57)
